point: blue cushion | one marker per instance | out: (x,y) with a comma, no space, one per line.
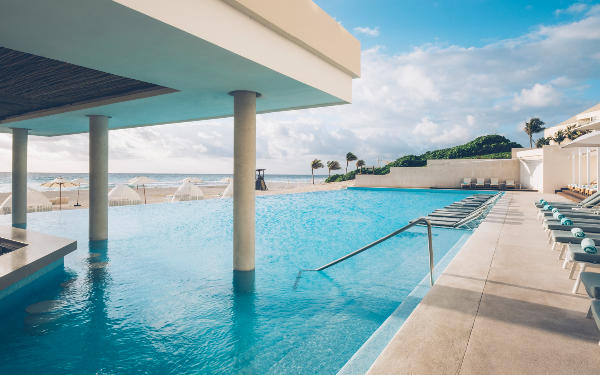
(591,281)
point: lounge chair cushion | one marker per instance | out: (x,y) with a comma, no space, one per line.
(578,255)
(567,237)
(591,281)
(596,311)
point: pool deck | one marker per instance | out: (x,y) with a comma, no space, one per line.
(503,306)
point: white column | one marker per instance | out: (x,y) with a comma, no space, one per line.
(598,167)
(19,177)
(573,167)
(589,180)
(579,149)
(98,177)
(244,167)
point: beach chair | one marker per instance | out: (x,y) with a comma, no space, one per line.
(510,184)
(466,183)
(577,256)
(494,184)
(591,282)
(480,183)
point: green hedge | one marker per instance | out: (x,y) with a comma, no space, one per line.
(484,147)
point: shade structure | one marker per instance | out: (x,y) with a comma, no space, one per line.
(228,193)
(188,192)
(36,202)
(587,140)
(123,195)
(79,181)
(142,180)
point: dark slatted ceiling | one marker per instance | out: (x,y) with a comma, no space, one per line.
(31,83)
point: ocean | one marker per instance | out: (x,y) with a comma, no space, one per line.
(34,180)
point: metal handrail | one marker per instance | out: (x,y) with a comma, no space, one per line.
(429,235)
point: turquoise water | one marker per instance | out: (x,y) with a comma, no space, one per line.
(168,301)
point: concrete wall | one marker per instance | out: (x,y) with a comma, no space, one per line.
(444,173)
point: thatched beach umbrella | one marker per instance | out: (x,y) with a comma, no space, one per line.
(60,182)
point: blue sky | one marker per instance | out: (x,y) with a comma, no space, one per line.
(435,74)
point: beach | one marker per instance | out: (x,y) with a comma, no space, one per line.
(160,194)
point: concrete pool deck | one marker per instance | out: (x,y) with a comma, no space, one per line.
(503,306)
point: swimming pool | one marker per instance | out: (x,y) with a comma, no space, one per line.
(168,301)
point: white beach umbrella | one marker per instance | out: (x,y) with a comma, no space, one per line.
(79,181)
(227,179)
(141,180)
(60,182)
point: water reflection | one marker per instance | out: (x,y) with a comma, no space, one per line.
(244,319)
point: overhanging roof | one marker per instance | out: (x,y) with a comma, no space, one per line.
(188,53)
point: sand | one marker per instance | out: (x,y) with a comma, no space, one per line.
(159,195)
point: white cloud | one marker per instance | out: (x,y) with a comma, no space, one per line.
(433,96)
(573,9)
(537,96)
(367,31)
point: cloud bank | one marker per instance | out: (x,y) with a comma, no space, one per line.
(434,96)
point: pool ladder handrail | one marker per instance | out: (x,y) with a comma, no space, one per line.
(419,220)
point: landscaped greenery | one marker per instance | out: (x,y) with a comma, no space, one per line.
(485,147)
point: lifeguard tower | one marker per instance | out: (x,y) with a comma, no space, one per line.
(260,180)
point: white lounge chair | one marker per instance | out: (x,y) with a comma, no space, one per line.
(510,184)
(480,183)
(466,183)
(494,184)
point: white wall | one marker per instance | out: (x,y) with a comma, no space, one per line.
(444,173)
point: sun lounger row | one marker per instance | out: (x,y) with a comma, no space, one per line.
(493,184)
(452,214)
(584,189)
(575,232)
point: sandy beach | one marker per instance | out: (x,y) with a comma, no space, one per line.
(160,195)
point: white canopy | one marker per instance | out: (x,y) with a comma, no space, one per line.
(59,182)
(80,181)
(228,193)
(227,179)
(141,180)
(586,140)
(36,202)
(591,126)
(191,179)
(188,192)
(123,195)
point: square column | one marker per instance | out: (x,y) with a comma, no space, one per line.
(19,177)
(98,229)
(244,168)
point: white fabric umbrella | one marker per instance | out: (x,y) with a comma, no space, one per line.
(586,140)
(142,181)
(60,182)
(227,179)
(79,181)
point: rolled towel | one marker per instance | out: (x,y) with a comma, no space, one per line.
(566,221)
(548,207)
(555,209)
(559,216)
(589,246)
(577,232)
(542,200)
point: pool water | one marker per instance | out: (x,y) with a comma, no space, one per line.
(169,302)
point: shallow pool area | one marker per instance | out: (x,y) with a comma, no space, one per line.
(160,295)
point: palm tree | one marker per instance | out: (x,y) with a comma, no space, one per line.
(333,166)
(315,164)
(559,137)
(542,142)
(350,157)
(360,164)
(535,125)
(572,133)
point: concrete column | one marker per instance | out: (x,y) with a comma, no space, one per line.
(244,167)
(19,177)
(98,177)
(598,167)
(579,167)
(573,157)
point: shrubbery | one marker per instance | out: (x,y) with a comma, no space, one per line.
(484,147)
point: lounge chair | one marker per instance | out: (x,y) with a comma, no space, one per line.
(466,183)
(576,255)
(480,183)
(591,282)
(510,184)
(587,202)
(494,184)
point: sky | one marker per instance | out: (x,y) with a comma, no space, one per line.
(435,74)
